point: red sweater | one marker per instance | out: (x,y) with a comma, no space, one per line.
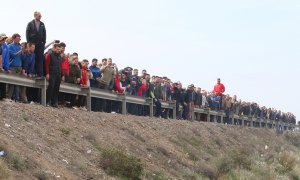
(65,70)
(219,88)
(117,84)
(142,89)
(84,78)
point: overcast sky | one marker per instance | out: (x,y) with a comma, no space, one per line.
(252,45)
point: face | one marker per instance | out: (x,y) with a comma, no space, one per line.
(94,63)
(109,62)
(135,72)
(143,72)
(31,48)
(104,63)
(9,40)
(38,16)
(219,81)
(123,76)
(17,40)
(144,81)
(62,49)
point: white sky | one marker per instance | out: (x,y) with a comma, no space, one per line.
(252,45)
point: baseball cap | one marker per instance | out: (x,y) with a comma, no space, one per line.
(3,36)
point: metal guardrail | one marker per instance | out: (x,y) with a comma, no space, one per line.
(212,116)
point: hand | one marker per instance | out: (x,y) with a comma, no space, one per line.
(78,80)
(29,75)
(47,77)
(1,69)
(63,78)
(8,71)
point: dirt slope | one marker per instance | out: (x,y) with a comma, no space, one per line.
(48,143)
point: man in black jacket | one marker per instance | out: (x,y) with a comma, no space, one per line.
(36,33)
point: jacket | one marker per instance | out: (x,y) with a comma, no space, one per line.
(84,78)
(117,85)
(73,74)
(5,56)
(96,75)
(52,63)
(142,90)
(35,36)
(219,88)
(28,62)
(65,70)
(107,75)
(15,59)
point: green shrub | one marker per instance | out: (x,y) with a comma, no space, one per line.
(3,170)
(16,161)
(117,163)
(287,161)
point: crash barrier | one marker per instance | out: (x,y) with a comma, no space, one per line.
(204,114)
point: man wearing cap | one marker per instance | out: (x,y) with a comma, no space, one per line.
(4,63)
(36,33)
(219,89)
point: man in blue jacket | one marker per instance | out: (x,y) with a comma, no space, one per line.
(15,66)
(4,66)
(94,82)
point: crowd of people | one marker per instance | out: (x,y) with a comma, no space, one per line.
(32,59)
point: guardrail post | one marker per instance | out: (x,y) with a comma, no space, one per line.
(173,104)
(251,122)
(87,91)
(208,117)
(150,102)
(243,121)
(123,100)
(193,115)
(215,119)
(222,119)
(42,83)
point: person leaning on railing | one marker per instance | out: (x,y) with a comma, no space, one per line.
(15,66)
(4,65)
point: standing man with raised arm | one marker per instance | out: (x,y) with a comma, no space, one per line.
(36,33)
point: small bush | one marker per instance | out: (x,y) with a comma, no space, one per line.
(65,131)
(3,170)
(224,166)
(16,161)
(287,161)
(117,163)
(41,175)
(293,138)
(242,159)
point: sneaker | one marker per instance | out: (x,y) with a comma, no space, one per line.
(31,102)
(74,107)
(113,112)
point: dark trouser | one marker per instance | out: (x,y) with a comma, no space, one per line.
(81,101)
(2,91)
(158,109)
(32,94)
(95,104)
(103,102)
(227,118)
(39,59)
(177,110)
(53,88)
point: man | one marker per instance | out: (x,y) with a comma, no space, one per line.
(95,70)
(107,71)
(4,64)
(36,33)
(15,52)
(28,63)
(219,89)
(135,77)
(53,75)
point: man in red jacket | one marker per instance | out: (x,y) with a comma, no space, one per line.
(219,89)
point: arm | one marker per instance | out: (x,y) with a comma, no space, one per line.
(28,31)
(12,52)
(48,45)
(45,34)
(47,63)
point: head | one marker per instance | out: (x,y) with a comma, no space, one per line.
(24,46)
(135,72)
(16,38)
(56,48)
(9,40)
(218,80)
(37,16)
(94,62)
(109,62)
(144,71)
(144,81)
(104,62)
(123,76)
(85,63)
(31,47)
(63,47)
(3,37)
